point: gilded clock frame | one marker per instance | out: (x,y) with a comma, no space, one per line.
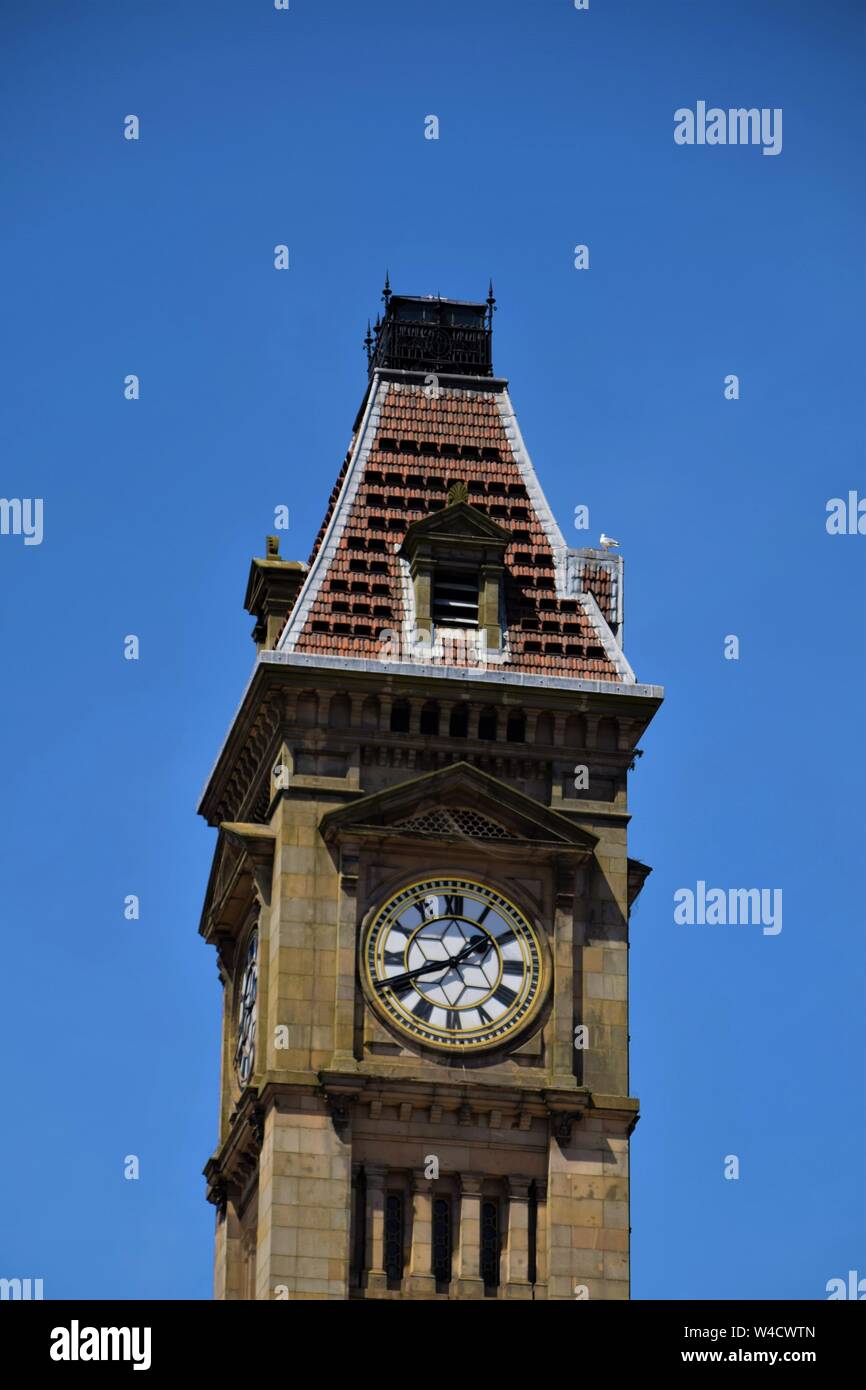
(460,1046)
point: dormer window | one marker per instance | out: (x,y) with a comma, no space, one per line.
(456,558)
(455,596)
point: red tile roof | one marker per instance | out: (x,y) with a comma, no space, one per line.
(421,446)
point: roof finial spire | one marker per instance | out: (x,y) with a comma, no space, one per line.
(386,293)
(491,304)
(368,343)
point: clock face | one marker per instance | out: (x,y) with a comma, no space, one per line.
(453,964)
(246,1045)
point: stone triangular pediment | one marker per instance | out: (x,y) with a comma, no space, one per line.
(457,802)
(460,521)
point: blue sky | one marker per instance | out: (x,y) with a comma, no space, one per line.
(155,257)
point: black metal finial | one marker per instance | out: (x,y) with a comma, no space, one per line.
(368,344)
(386,293)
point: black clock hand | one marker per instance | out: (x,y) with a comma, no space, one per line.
(469,948)
(427,968)
(431,965)
(410,975)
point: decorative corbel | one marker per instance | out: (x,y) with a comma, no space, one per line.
(225,949)
(217,1191)
(257,1124)
(258,843)
(562,1122)
(340,1109)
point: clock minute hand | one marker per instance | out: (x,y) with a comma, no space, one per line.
(432,965)
(410,975)
(469,949)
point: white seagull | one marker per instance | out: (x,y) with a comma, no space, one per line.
(607,541)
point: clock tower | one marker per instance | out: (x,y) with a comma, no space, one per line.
(421,885)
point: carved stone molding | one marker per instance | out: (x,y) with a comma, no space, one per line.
(339,1101)
(562,1122)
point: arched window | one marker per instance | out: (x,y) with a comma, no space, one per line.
(516,728)
(400,714)
(370,712)
(607,737)
(458,725)
(430,718)
(575,731)
(544,729)
(308,709)
(487,724)
(340,712)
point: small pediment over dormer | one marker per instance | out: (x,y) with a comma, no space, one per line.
(458,522)
(457,804)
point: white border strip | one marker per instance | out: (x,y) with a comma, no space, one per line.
(339,517)
(459,673)
(556,539)
(533,486)
(612,649)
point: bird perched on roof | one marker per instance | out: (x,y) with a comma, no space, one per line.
(607,541)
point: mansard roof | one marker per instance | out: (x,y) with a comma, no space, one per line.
(414,441)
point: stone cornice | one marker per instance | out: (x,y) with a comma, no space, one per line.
(240,775)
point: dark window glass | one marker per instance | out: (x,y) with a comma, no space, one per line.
(442,1243)
(400,717)
(516,732)
(394,1237)
(359,1245)
(607,736)
(533,1233)
(459,723)
(487,724)
(490,1245)
(430,718)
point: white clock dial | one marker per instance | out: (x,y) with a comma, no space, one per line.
(453,963)
(245,1049)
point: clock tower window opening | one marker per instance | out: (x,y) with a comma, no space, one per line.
(455,597)
(490,1245)
(430,718)
(458,726)
(394,1234)
(359,1214)
(400,717)
(533,1233)
(442,1240)
(487,724)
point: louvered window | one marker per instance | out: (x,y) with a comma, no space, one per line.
(455,597)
